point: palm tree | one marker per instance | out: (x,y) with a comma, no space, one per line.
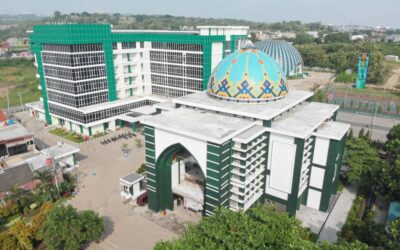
(44,177)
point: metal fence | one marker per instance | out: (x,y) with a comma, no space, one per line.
(374,105)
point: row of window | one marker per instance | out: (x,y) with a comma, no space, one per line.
(73,48)
(176,82)
(177,70)
(176,57)
(75,74)
(127,45)
(162,91)
(77,87)
(177,46)
(98,115)
(78,101)
(73,59)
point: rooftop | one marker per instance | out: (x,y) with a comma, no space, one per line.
(144,110)
(13,131)
(131,178)
(250,134)
(203,125)
(332,130)
(60,150)
(302,121)
(262,111)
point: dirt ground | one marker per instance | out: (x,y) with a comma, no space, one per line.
(316,78)
(394,79)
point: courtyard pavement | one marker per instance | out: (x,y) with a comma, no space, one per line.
(100,167)
(338,215)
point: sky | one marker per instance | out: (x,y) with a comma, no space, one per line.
(363,12)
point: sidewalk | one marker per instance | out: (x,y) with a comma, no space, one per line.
(338,216)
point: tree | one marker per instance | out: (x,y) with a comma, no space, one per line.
(388,181)
(361,133)
(303,38)
(392,144)
(65,228)
(363,161)
(261,227)
(40,218)
(23,233)
(337,38)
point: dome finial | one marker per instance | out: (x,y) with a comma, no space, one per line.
(248,45)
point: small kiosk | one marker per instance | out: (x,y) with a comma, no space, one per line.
(132,186)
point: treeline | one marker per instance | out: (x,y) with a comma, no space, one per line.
(343,56)
(148,22)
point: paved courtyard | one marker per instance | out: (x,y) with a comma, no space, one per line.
(101,166)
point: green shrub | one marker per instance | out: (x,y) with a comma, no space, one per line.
(142,169)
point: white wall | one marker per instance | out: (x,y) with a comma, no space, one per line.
(217,52)
(97,129)
(321,151)
(313,199)
(76,128)
(197,148)
(281,160)
(317,177)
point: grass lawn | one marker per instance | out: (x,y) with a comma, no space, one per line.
(19,78)
(67,135)
(366,91)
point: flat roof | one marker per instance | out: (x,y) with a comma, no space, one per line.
(128,100)
(145,110)
(36,105)
(131,178)
(168,105)
(332,130)
(305,119)
(157,31)
(250,134)
(262,111)
(13,131)
(199,124)
(61,150)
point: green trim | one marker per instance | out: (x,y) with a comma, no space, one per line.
(234,38)
(134,126)
(81,128)
(90,131)
(340,151)
(328,176)
(267,123)
(293,196)
(36,49)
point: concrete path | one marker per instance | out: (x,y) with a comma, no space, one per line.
(338,215)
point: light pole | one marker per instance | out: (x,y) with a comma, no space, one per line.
(51,164)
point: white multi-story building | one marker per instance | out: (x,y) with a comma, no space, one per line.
(93,77)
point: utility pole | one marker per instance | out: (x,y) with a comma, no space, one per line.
(8,103)
(20,99)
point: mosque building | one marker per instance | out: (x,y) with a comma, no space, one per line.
(247,138)
(285,54)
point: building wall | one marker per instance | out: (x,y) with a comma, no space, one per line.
(197,148)
(127,71)
(280,178)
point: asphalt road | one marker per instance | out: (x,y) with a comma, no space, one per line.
(378,126)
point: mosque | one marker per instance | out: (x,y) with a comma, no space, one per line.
(248,138)
(287,56)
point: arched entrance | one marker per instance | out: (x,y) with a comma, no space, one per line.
(177,176)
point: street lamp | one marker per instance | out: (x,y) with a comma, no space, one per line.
(50,163)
